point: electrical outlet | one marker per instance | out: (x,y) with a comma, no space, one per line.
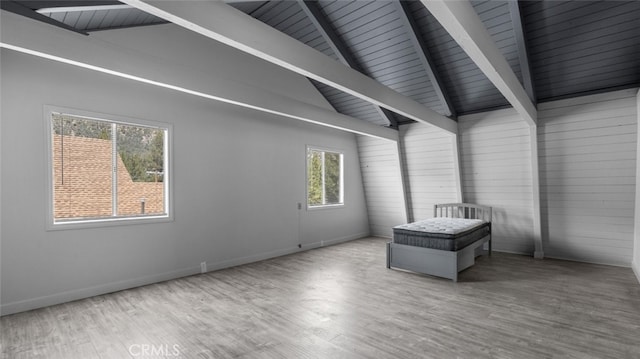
(203,267)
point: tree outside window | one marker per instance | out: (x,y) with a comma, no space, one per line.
(324,178)
(103,169)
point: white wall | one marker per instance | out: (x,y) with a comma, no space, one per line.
(429,168)
(427,176)
(495,161)
(238,177)
(382,180)
(587,157)
(587,152)
(496,171)
(636,246)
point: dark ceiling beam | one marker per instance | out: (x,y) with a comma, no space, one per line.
(319,20)
(27,11)
(523,53)
(422,50)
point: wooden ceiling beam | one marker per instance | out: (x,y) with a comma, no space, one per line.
(225,24)
(463,24)
(38,39)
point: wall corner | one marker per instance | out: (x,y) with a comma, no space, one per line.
(635,264)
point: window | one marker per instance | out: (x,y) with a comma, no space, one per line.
(324,178)
(104,170)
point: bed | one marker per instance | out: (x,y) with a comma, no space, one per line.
(444,245)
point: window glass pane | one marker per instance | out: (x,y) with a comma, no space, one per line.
(140,168)
(324,178)
(332,177)
(103,169)
(314,177)
(82,171)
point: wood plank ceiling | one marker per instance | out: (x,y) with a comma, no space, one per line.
(557,49)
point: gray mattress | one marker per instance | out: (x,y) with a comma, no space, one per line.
(449,234)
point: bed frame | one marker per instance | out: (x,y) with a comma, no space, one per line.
(437,262)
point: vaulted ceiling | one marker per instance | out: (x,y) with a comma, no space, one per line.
(556,49)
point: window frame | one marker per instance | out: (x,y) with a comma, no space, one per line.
(342,175)
(51,223)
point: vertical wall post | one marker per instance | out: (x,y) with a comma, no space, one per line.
(635,264)
(535,186)
(408,214)
(457,170)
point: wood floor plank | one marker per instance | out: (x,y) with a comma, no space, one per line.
(342,302)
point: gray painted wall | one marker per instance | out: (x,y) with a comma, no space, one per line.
(238,177)
(205,57)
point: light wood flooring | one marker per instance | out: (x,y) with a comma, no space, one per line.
(341,302)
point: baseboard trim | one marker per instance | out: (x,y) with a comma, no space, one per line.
(636,269)
(334,241)
(214,266)
(77,294)
(520,253)
(580,260)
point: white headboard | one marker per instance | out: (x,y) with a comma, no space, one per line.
(462,210)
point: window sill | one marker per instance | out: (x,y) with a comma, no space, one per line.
(325,207)
(107,222)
